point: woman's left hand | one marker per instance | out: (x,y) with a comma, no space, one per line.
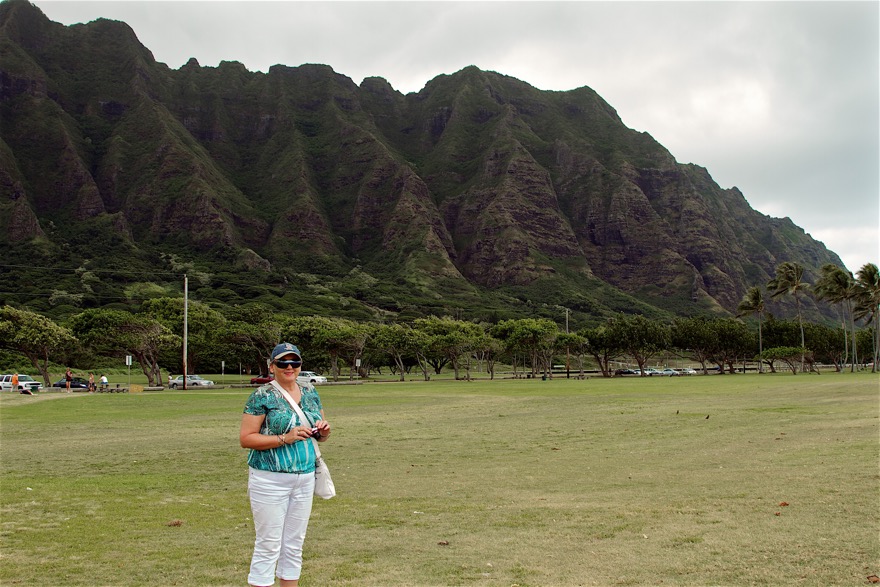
(323,427)
(298,433)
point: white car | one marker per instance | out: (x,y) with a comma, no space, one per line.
(310,378)
(24,381)
(687,371)
(191,381)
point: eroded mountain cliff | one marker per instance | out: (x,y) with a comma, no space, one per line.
(477,190)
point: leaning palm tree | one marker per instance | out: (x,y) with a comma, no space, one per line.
(868,303)
(837,285)
(753,304)
(790,280)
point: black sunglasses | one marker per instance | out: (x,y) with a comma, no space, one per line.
(286,364)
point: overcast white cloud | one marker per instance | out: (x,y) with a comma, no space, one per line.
(780,99)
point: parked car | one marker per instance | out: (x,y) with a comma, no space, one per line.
(75,383)
(191,381)
(651,372)
(626,372)
(687,371)
(310,378)
(25,382)
(260,380)
(669,372)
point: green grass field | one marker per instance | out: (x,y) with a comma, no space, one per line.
(733,480)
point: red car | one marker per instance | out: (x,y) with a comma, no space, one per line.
(262,379)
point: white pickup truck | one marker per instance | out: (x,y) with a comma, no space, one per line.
(25,382)
(310,378)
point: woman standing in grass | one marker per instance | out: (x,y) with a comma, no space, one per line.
(281,475)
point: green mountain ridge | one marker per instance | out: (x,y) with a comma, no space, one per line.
(478,196)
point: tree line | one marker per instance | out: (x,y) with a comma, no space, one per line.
(243,336)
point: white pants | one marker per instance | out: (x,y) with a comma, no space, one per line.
(281,504)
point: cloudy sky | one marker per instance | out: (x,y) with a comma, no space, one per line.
(780,99)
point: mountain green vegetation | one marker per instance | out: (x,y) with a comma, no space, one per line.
(174,335)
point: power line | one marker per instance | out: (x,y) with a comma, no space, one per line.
(265,288)
(23,295)
(214,280)
(81,268)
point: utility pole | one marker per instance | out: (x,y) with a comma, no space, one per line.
(567,353)
(185,326)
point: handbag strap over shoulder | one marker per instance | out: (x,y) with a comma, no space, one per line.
(300,413)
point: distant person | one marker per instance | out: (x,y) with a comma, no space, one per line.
(68,377)
(104,382)
(91,382)
(25,390)
(281,468)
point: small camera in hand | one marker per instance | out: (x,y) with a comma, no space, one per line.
(316,433)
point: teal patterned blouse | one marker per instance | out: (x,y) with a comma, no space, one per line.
(298,457)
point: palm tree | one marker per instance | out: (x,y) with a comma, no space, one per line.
(836,285)
(868,303)
(753,304)
(790,280)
